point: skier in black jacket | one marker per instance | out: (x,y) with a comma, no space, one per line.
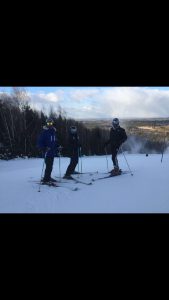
(117,137)
(74,147)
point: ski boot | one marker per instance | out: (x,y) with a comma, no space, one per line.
(52,180)
(75,172)
(116,171)
(45,181)
(67,177)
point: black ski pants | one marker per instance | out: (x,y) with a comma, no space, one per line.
(114,151)
(49,166)
(71,167)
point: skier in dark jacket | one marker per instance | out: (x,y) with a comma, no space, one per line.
(74,147)
(47,142)
(117,137)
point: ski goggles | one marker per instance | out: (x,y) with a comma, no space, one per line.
(49,123)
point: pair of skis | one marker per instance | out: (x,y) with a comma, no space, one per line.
(57,185)
(61,183)
(111,175)
(77,180)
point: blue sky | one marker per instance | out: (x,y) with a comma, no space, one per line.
(100,102)
(37,89)
(55,88)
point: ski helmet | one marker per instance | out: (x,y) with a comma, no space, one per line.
(73,129)
(115,122)
(49,122)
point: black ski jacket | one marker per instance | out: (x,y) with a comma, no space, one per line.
(74,145)
(117,137)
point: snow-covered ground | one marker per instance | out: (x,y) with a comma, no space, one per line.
(145,192)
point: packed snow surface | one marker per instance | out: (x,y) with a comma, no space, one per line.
(147,191)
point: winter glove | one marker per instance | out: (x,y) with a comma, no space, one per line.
(58,154)
(46,149)
(60,148)
(120,143)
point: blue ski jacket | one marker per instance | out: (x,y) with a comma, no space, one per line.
(47,141)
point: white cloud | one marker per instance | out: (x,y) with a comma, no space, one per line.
(135,102)
(123,102)
(51,97)
(80,95)
(44,101)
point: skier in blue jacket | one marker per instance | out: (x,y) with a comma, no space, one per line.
(48,143)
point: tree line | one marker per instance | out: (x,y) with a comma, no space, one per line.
(20,126)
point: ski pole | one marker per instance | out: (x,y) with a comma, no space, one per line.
(126,160)
(59,153)
(42,171)
(163,149)
(162,157)
(106,160)
(59,167)
(78,163)
(81,160)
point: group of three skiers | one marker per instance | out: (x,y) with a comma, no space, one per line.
(48,143)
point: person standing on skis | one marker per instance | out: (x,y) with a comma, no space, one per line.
(117,137)
(74,147)
(48,143)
